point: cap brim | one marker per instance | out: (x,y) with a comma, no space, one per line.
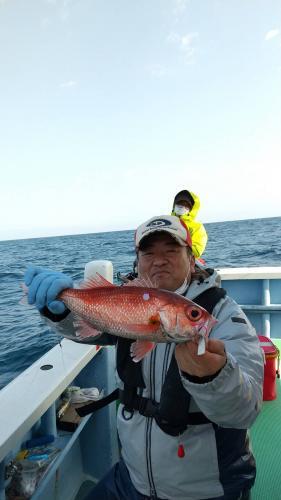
(174,236)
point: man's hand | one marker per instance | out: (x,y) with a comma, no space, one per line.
(204,365)
(44,286)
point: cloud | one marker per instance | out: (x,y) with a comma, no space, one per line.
(271,34)
(70,83)
(185,43)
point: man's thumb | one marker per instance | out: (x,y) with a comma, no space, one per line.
(216,346)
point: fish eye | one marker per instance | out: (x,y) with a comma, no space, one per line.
(193,313)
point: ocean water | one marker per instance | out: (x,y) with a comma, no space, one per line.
(24,337)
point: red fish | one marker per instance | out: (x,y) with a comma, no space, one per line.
(135,311)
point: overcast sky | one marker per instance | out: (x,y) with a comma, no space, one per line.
(109,107)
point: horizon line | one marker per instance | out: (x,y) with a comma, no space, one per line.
(120,230)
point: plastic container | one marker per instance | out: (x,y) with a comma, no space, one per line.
(103,267)
(28,477)
(271,368)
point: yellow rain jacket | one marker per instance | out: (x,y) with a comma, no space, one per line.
(197,231)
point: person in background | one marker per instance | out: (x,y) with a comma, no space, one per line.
(183,417)
(186,206)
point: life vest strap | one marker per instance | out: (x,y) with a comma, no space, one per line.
(97,405)
(150,408)
(145,406)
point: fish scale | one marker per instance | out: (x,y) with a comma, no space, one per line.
(135,311)
(108,308)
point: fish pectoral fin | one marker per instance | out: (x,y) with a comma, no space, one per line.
(151,327)
(84,329)
(140,348)
(97,282)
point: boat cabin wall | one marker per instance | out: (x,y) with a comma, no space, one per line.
(261,301)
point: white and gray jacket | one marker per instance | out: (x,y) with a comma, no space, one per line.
(212,465)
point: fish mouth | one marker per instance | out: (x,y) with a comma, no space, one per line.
(207,327)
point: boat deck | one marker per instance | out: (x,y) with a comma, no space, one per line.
(266,444)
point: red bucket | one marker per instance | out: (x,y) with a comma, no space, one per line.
(271,368)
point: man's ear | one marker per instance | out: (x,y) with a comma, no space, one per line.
(192,263)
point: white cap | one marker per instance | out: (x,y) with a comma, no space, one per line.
(165,223)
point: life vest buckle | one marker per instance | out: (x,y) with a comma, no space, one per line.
(127,414)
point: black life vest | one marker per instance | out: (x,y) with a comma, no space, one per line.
(172,412)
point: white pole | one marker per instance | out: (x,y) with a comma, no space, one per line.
(266,302)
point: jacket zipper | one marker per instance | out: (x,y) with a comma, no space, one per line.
(153,492)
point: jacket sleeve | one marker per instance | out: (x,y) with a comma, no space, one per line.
(234,397)
(198,235)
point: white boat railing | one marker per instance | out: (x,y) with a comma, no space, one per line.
(250,273)
(33,393)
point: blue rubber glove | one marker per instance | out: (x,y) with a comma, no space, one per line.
(44,286)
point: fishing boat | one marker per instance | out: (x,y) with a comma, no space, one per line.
(77,452)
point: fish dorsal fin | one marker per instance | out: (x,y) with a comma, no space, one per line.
(145,282)
(97,282)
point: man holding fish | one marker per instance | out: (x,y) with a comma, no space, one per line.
(189,365)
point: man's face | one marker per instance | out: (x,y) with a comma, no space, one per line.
(164,261)
(184,203)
